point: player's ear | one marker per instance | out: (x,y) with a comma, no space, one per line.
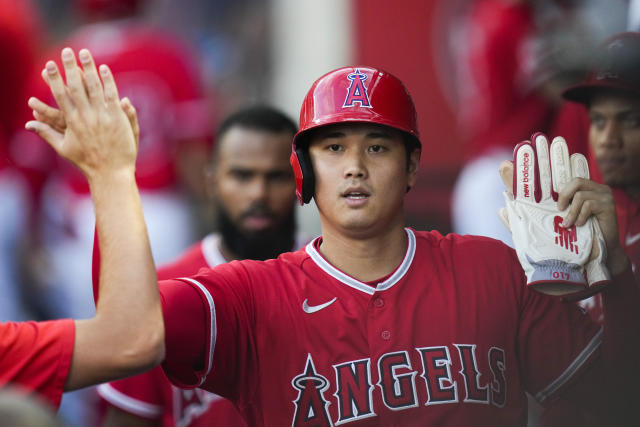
(210,179)
(412,167)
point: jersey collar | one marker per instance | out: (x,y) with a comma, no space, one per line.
(357,284)
(211,250)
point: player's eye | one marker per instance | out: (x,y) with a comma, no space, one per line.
(334,147)
(279,177)
(241,175)
(631,121)
(377,148)
(597,121)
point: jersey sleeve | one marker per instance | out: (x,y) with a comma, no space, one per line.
(139,395)
(208,322)
(556,341)
(36,356)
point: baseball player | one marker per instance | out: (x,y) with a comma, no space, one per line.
(49,357)
(373,323)
(611,94)
(254,191)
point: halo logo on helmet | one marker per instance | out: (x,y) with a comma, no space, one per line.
(357,91)
(383,101)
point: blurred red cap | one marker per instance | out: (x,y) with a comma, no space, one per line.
(616,66)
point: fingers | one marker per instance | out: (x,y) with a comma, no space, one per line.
(544,166)
(584,198)
(524,169)
(91,78)
(75,81)
(560,164)
(46,114)
(46,132)
(579,166)
(110,90)
(506,173)
(58,88)
(132,115)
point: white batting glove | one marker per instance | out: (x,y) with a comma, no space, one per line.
(556,260)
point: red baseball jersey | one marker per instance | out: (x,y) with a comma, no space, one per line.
(151,395)
(451,337)
(36,356)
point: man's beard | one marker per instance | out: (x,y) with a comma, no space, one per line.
(259,245)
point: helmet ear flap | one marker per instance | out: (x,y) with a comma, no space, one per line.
(303,171)
(309,181)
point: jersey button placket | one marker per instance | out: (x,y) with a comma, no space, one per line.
(376,308)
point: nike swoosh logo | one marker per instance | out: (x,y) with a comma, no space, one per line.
(630,240)
(313,308)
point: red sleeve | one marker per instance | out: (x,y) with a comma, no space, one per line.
(140,395)
(37,356)
(209,321)
(188,332)
(557,341)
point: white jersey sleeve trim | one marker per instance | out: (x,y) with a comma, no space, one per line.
(127,403)
(574,367)
(355,283)
(214,331)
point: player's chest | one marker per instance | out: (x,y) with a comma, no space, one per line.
(362,355)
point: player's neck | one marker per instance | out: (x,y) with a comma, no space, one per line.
(365,258)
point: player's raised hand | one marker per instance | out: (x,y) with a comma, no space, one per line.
(55,119)
(91,129)
(585,198)
(554,225)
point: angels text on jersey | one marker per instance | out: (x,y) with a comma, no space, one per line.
(352,388)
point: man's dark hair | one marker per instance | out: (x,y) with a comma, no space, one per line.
(259,117)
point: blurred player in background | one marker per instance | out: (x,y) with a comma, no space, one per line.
(253,188)
(20,40)
(610,93)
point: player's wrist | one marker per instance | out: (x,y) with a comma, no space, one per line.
(101,178)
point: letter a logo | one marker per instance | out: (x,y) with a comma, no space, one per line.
(357,92)
(311,406)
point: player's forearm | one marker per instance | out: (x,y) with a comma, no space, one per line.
(128,283)
(128,327)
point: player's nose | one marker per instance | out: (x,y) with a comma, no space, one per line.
(355,166)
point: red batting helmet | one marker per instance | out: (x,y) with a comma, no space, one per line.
(350,94)
(616,66)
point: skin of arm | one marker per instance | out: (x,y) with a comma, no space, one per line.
(98,133)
